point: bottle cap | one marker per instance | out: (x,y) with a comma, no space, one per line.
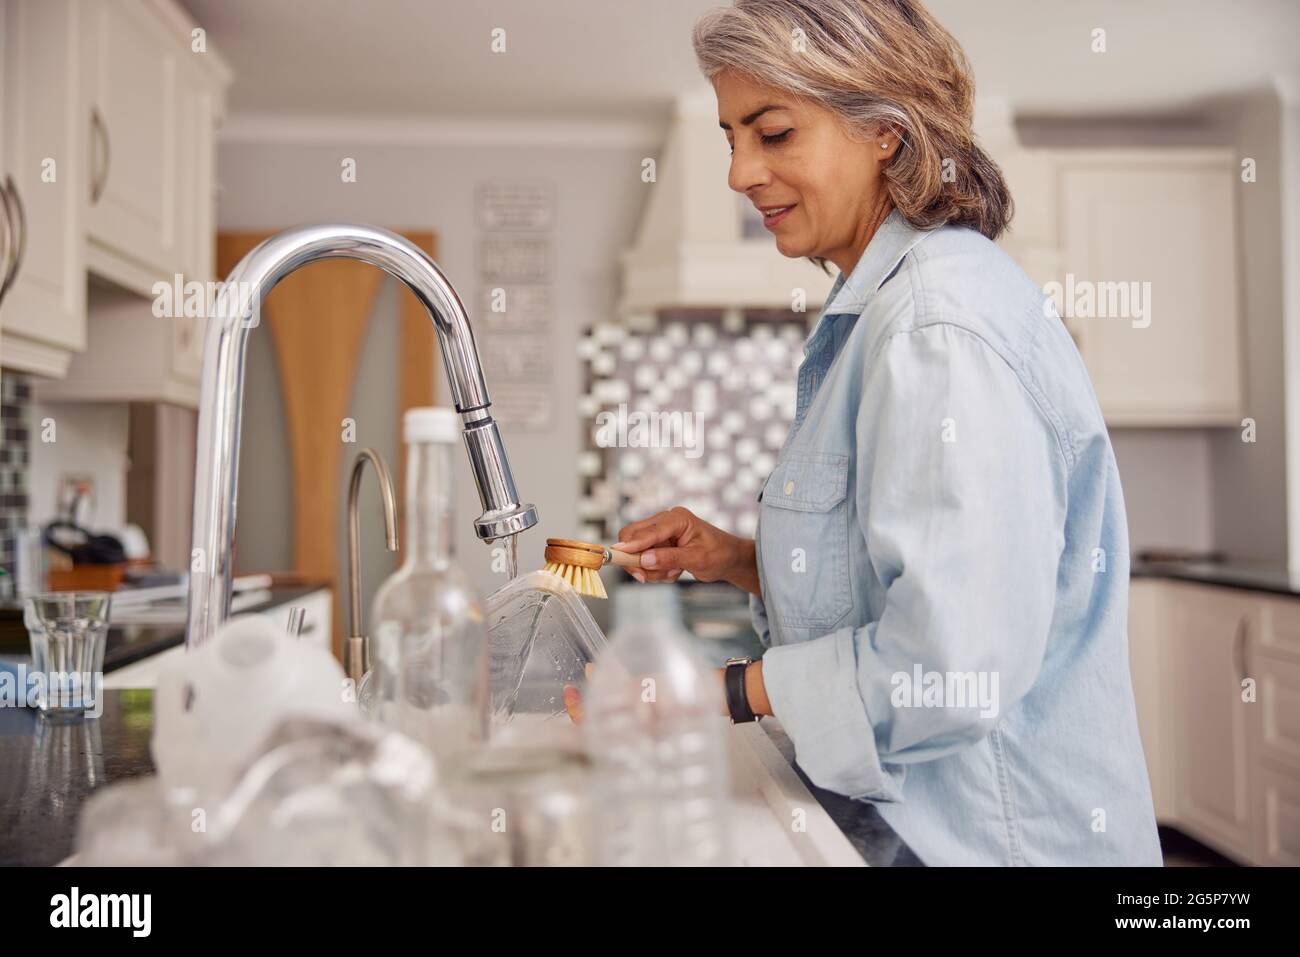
(431,424)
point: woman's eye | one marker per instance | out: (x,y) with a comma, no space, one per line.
(768,139)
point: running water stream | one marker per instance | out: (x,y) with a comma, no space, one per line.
(512,552)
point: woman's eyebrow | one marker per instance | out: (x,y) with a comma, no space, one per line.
(746,120)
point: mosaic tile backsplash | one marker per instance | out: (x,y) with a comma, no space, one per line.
(15,404)
(691,412)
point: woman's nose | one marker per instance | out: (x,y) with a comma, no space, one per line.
(747,171)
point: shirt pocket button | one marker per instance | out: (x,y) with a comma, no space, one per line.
(789,488)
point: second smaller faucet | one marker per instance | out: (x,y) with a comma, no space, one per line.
(356,647)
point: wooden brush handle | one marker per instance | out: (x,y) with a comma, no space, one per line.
(625,559)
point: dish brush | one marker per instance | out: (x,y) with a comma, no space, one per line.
(579,563)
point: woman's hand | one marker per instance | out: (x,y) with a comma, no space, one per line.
(676,540)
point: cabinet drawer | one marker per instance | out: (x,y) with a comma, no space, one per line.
(1279,628)
(1277,818)
(1278,704)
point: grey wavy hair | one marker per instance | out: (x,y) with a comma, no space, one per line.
(878,65)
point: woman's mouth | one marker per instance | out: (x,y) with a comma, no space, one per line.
(774,214)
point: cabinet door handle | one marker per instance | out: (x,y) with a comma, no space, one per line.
(1239,648)
(99,176)
(6,241)
(18,241)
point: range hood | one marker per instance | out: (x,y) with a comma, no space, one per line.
(692,249)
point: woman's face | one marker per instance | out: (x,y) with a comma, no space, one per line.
(795,154)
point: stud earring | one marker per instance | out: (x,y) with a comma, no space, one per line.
(884,146)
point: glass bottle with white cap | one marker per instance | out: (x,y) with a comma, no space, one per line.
(430,652)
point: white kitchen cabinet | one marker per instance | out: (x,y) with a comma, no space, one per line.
(161,231)
(1277,818)
(131,356)
(1223,769)
(1150,236)
(4,226)
(43,314)
(202,97)
(1275,665)
(1147,611)
(131,52)
(1208,632)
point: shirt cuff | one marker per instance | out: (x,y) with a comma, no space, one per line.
(813,689)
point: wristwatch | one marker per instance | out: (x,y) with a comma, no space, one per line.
(737,699)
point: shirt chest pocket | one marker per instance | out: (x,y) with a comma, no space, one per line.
(804,540)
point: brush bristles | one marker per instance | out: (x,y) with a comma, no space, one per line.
(585,581)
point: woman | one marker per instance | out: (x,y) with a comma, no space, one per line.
(940,571)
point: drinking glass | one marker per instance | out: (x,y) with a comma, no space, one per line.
(68,631)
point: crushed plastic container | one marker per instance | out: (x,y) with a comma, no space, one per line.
(542,637)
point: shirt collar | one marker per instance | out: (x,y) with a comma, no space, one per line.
(892,241)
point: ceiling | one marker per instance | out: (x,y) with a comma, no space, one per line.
(627,59)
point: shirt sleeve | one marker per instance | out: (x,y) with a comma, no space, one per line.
(961,491)
(758,618)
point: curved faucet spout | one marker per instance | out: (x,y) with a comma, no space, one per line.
(356,650)
(237,311)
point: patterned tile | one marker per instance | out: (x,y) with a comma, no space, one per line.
(15,409)
(723,387)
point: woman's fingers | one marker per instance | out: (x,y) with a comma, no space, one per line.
(655,530)
(573,703)
(664,560)
(573,697)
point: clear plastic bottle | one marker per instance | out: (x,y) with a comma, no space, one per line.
(657,736)
(430,645)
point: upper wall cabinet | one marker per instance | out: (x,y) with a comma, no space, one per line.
(108,141)
(42,269)
(151,101)
(1147,282)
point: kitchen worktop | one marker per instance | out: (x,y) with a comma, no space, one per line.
(127,644)
(1251,576)
(51,769)
(130,643)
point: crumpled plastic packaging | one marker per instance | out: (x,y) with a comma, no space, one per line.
(318,792)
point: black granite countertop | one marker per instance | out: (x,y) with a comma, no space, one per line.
(49,770)
(1249,576)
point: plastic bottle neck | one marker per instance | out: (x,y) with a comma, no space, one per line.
(428,505)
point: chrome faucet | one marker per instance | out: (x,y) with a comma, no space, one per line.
(236,311)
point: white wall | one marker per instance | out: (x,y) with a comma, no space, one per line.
(1167,476)
(89,440)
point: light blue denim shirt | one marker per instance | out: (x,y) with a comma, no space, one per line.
(943,555)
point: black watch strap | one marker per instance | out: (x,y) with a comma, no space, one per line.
(737,699)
